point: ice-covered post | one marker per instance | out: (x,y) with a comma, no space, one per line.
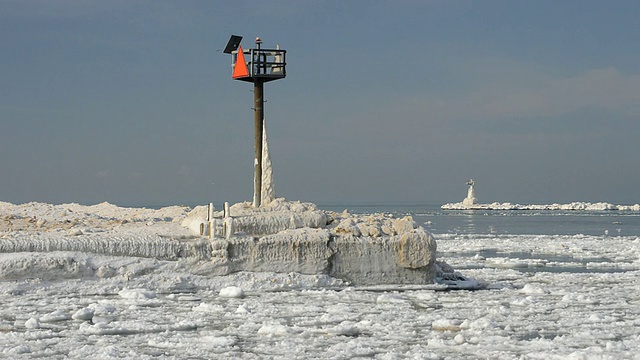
(264,65)
(228,222)
(210,220)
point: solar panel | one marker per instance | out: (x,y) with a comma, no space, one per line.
(233,43)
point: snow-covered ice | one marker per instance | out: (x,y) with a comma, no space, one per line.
(471,203)
(573,206)
(544,297)
(232,292)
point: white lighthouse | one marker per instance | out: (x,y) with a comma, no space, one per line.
(470,200)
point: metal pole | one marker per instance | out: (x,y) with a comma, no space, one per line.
(258,119)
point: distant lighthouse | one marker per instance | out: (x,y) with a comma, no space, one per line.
(470,200)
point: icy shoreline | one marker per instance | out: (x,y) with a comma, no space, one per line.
(574,206)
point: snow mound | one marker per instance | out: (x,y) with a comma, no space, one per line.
(44,217)
(232,292)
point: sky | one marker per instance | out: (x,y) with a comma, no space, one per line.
(401,101)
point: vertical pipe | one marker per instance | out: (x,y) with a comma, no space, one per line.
(258,119)
(226,222)
(210,220)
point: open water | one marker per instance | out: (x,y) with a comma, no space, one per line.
(515,222)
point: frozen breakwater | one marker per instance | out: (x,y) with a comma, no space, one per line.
(283,237)
(574,206)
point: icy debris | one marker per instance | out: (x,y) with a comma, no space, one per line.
(404,225)
(600,318)
(482,323)
(373,225)
(83,314)
(32,323)
(137,294)
(131,328)
(102,308)
(446,275)
(579,299)
(223,341)
(274,330)
(348,226)
(426,300)
(105,271)
(232,292)
(209,308)
(58,315)
(525,302)
(446,325)
(506,263)
(75,232)
(530,289)
(344,329)
(20,349)
(243,309)
(391,299)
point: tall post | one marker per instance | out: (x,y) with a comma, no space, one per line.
(258,120)
(264,65)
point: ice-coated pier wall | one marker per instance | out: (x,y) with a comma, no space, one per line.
(401,259)
(283,237)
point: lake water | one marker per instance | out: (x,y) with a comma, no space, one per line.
(516,222)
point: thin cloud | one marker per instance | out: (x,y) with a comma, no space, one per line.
(533,94)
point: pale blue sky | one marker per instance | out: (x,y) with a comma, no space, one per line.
(132,102)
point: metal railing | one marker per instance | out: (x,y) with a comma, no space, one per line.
(265,64)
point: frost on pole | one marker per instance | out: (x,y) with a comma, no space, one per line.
(268,190)
(258,66)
